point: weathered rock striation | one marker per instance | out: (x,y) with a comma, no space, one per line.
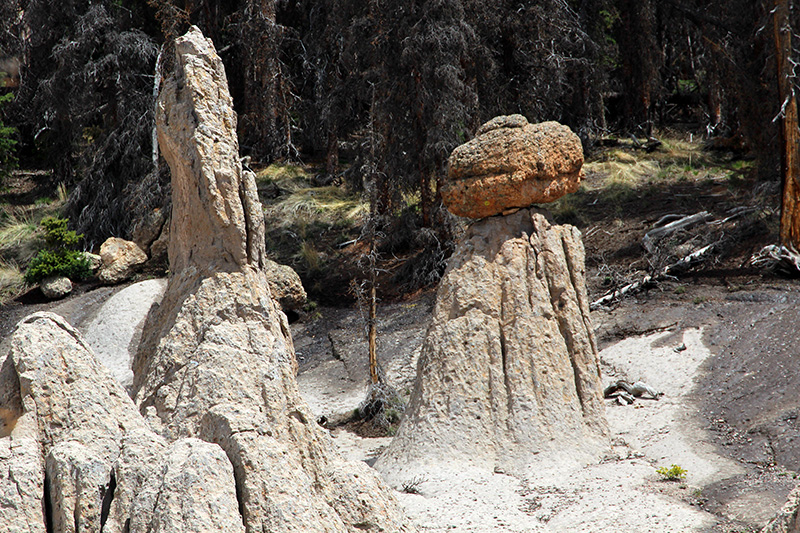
(75,450)
(512,164)
(216,359)
(509,366)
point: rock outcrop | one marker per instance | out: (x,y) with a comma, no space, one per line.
(512,164)
(120,259)
(216,360)
(175,498)
(76,453)
(509,366)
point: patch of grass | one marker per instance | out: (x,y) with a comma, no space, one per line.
(310,257)
(330,205)
(19,237)
(673,473)
(617,181)
(280,172)
(680,289)
(12,282)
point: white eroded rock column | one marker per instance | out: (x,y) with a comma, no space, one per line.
(509,366)
(216,360)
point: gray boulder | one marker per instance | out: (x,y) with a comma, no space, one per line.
(55,287)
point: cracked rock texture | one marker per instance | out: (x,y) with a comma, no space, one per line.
(787,520)
(509,365)
(512,164)
(216,361)
(75,450)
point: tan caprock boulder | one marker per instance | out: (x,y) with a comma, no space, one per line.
(216,359)
(512,164)
(509,366)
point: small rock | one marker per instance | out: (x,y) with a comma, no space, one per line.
(120,260)
(285,285)
(95,261)
(55,287)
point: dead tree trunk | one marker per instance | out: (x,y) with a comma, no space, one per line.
(374,378)
(790,132)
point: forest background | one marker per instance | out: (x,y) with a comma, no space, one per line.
(377,93)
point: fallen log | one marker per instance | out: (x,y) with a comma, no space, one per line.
(777,259)
(653,236)
(668,271)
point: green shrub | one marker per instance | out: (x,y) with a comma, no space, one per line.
(59,257)
(8,161)
(56,234)
(68,263)
(673,473)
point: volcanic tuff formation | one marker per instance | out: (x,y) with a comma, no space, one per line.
(236,448)
(76,454)
(509,366)
(216,360)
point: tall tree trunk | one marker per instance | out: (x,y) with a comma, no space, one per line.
(790,134)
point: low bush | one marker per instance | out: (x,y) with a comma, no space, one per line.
(673,473)
(59,258)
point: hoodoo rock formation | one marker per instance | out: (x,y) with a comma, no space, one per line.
(512,164)
(216,359)
(509,366)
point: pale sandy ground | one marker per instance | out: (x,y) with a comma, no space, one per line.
(621,493)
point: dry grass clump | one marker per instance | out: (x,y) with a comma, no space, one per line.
(19,235)
(12,281)
(281,172)
(326,205)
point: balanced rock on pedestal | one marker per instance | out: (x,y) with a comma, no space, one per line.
(509,366)
(216,359)
(512,164)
